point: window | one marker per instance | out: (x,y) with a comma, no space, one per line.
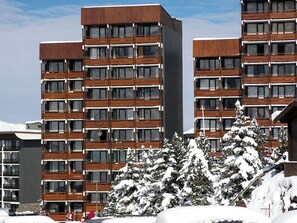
(229,102)
(147,51)
(122,31)
(98,156)
(208,124)
(266,133)
(148,30)
(283,69)
(75,146)
(76,187)
(122,114)
(76,126)
(54,86)
(214,145)
(208,64)
(256,7)
(148,113)
(97,135)
(11,170)
(122,72)
(97,114)
(53,66)
(148,134)
(256,28)
(54,186)
(283,27)
(119,156)
(275,133)
(55,146)
(147,93)
(283,6)
(54,166)
(76,207)
(277,108)
(122,52)
(207,84)
(228,122)
(257,112)
(98,52)
(76,166)
(283,91)
(97,73)
(231,83)
(75,65)
(207,103)
(122,93)
(231,63)
(54,126)
(75,85)
(97,93)
(97,32)
(54,106)
(123,135)
(283,48)
(261,49)
(55,207)
(257,91)
(256,70)
(100,197)
(101,176)
(148,72)
(75,106)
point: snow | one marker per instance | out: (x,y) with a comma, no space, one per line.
(275,114)
(9,127)
(131,220)
(201,214)
(288,217)
(28,219)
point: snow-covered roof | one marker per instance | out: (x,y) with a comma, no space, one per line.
(115,6)
(215,38)
(20,131)
(199,214)
(9,127)
(288,217)
(74,41)
(131,220)
(29,136)
(189,131)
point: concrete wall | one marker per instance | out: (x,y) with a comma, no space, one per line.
(30,172)
(173,81)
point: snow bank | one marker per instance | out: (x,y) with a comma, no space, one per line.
(288,217)
(201,214)
(131,220)
(29,219)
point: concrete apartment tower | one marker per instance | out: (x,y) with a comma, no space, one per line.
(262,74)
(118,88)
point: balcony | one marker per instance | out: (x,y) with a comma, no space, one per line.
(268,36)
(11,199)
(255,79)
(268,15)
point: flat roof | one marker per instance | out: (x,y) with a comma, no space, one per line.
(73,41)
(216,38)
(115,6)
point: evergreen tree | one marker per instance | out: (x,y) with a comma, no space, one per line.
(259,137)
(203,144)
(242,160)
(283,144)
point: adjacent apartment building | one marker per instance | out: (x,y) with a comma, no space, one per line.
(20,166)
(259,68)
(118,88)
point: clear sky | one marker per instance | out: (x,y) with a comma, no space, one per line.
(25,23)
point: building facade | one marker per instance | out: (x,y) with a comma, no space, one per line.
(20,166)
(266,71)
(118,88)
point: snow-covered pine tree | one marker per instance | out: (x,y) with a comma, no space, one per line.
(203,144)
(283,144)
(259,137)
(242,162)
(122,195)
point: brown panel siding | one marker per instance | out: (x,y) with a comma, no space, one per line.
(60,51)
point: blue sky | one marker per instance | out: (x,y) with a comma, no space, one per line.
(26,23)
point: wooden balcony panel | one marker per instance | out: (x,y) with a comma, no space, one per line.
(122,124)
(282,15)
(255,59)
(202,73)
(91,186)
(287,36)
(55,196)
(75,176)
(148,123)
(75,155)
(96,82)
(208,113)
(75,196)
(122,82)
(255,16)
(57,216)
(148,60)
(118,166)
(283,79)
(230,92)
(54,176)
(97,166)
(148,39)
(96,103)
(47,135)
(207,93)
(54,156)
(95,41)
(74,75)
(121,61)
(48,75)
(255,80)
(149,144)
(264,122)
(96,62)
(233,72)
(255,37)
(75,135)
(152,81)
(123,144)
(283,58)
(281,100)
(96,124)
(75,115)
(274,143)
(150,102)
(121,40)
(122,103)
(52,95)
(255,101)
(214,134)
(54,115)
(92,206)
(96,145)
(75,95)
(228,113)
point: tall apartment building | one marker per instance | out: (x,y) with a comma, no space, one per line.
(118,88)
(268,65)
(20,158)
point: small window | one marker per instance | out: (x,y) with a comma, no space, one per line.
(122,72)
(97,73)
